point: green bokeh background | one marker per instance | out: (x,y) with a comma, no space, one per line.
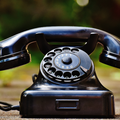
(20,15)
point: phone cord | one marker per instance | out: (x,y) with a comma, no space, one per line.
(8,107)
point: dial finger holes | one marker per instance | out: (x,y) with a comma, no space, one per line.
(75,73)
(47,65)
(58,74)
(66,49)
(67,75)
(47,59)
(58,50)
(74,50)
(51,70)
(51,54)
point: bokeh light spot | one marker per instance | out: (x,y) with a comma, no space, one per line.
(82,2)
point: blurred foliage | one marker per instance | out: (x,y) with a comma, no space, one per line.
(17,16)
(22,73)
(20,15)
(6,77)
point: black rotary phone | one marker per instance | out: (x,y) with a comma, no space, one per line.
(66,85)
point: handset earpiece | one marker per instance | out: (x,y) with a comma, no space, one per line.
(111,52)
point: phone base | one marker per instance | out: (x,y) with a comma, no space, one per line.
(67,103)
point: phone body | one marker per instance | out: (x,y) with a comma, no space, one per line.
(66,84)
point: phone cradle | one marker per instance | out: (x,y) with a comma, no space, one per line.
(66,86)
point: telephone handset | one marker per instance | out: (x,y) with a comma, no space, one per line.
(66,84)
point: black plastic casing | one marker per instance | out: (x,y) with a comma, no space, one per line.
(67,103)
(86,98)
(47,98)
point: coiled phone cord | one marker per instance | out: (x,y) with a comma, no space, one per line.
(8,107)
